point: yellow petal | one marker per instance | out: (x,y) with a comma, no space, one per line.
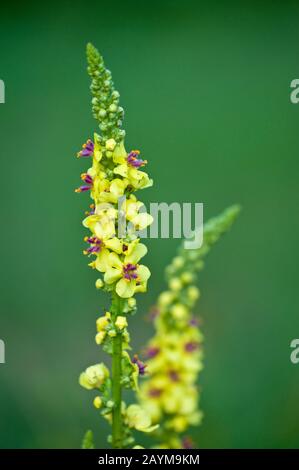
(121,170)
(114,244)
(125,289)
(143,273)
(115,261)
(111,275)
(136,254)
(141,221)
(102,260)
(119,153)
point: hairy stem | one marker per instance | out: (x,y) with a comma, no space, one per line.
(116,379)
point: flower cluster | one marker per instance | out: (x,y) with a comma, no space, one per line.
(174,354)
(115,251)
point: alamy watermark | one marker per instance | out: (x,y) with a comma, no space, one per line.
(162,220)
(294,96)
(2,92)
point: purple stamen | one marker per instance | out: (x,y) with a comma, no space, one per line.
(129,271)
(133,161)
(87,149)
(140,364)
(93,249)
(95,245)
(86,178)
(81,189)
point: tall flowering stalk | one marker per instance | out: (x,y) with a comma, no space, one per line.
(174,355)
(115,253)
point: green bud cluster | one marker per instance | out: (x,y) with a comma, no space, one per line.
(105,99)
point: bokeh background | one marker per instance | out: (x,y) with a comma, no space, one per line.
(205,86)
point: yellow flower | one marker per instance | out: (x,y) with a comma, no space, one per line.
(102,222)
(121,322)
(139,220)
(139,419)
(112,192)
(136,178)
(127,273)
(94,376)
(101,323)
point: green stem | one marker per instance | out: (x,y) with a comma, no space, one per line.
(116,379)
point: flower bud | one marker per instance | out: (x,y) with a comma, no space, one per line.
(121,322)
(175,284)
(165,298)
(193,293)
(100,337)
(110,144)
(112,333)
(178,262)
(132,302)
(186,277)
(97,402)
(179,311)
(99,283)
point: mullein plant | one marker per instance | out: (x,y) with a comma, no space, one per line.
(174,355)
(113,176)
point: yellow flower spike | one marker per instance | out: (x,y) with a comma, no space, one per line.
(121,322)
(97,402)
(100,336)
(112,174)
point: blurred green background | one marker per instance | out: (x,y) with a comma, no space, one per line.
(205,86)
